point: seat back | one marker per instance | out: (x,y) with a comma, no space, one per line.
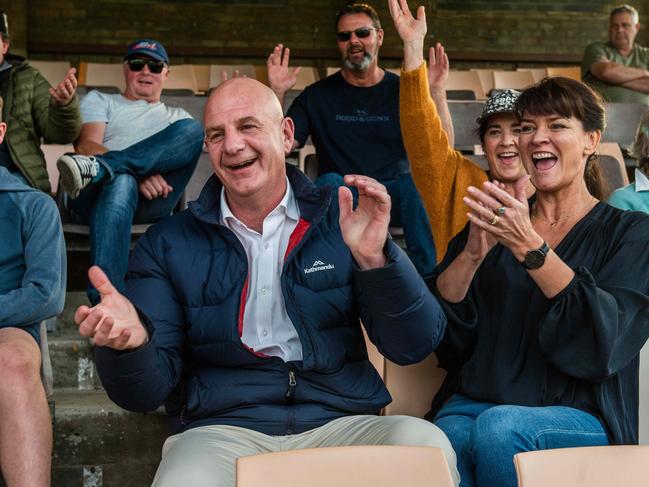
(52,152)
(305,77)
(217,70)
(622,122)
(600,466)
(108,77)
(52,71)
(612,162)
(181,77)
(537,73)
(516,80)
(348,466)
(464,115)
(486,79)
(465,80)
(572,72)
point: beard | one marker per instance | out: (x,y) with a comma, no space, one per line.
(358,66)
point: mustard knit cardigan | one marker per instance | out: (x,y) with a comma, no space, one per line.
(441,173)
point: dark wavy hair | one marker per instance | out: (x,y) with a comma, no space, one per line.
(570,98)
(359,8)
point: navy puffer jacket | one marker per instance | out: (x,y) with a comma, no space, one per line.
(188,279)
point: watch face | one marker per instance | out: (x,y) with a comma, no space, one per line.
(534,259)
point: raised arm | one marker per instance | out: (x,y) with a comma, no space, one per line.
(438,67)
(56,110)
(280,77)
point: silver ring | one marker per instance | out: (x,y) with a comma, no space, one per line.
(500,211)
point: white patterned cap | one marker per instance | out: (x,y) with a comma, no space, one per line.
(501,102)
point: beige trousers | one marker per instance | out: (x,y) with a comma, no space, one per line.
(205,456)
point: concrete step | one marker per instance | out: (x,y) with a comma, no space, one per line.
(98,444)
(73,362)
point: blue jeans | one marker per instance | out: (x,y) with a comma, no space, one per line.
(486,436)
(408,212)
(112,205)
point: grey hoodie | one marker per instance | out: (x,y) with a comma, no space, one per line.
(32,254)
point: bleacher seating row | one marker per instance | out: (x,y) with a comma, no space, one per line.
(195,79)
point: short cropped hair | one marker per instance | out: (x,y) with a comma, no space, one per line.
(359,8)
(625,9)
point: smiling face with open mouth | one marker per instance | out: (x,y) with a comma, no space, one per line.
(500,144)
(554,150)
(248,139)
(144,85)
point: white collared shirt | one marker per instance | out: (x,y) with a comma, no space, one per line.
(641,181)
(267,328)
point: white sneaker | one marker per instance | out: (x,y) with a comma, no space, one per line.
(76,172)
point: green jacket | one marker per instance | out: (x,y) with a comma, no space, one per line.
(31,115)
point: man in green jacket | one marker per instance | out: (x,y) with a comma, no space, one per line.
(33,110)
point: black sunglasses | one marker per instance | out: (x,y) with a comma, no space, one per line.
(361,33)
(138,65)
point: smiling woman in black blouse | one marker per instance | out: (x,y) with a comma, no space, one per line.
(547,300)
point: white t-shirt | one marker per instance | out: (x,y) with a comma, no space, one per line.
(127,121)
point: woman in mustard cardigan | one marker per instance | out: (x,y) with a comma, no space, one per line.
(441,173)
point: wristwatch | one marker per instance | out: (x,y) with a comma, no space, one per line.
(536,258)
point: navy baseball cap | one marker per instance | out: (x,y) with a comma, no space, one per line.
(148,47)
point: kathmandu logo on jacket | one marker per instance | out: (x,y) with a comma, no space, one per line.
(318,265)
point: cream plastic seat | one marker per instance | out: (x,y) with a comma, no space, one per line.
(217,70)
(102,75)
(349,466)
(465,80)
(612,162)
(573,72)
(516,80)
(486,78)
(598,466)
(181,77)
(52,71)
(537,73)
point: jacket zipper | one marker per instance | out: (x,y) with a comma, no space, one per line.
(290,392)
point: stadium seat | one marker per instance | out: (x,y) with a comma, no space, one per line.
(612,161)
(307,76)
(181,80)
(217,70)
(101,76)
(464,115)
(600,466)
(52,152)
(348,466)
(516,80)
(572,72)
(537,73)
(52,71)
(486,79)
(622,121)
(465,80)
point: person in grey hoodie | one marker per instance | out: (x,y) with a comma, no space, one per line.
(32,288)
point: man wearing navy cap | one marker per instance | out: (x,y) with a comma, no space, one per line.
(134,157)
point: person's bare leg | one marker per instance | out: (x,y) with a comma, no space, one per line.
(25,425)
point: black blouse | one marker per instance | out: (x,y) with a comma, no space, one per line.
(510,344)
